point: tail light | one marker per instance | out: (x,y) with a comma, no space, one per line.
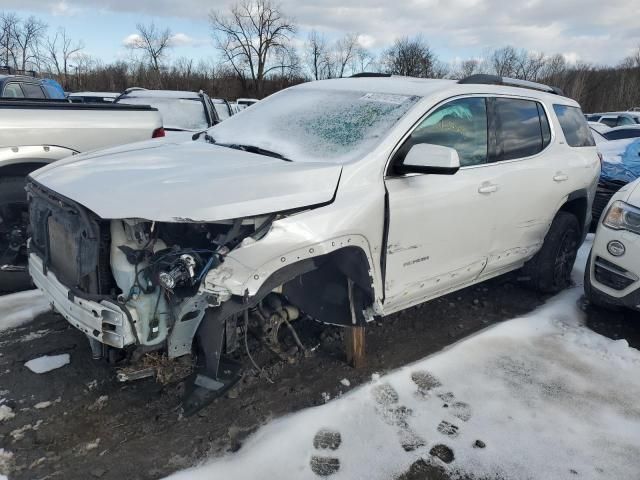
(158,132)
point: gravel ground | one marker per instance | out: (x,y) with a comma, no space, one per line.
(95,427)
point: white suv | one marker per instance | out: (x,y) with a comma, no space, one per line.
(612,277)
(345,199)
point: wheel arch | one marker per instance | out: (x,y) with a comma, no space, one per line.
(577,204)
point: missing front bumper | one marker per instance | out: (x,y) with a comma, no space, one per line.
(104,321)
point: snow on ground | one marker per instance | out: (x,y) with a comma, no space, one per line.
(20,308)
(545,396)
(47,363)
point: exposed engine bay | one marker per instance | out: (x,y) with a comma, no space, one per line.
(137,286)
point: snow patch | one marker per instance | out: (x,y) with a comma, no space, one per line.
(21,308)
(6,463)
(47,363)
(541,396)
(6,413)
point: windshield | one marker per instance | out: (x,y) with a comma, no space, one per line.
(176,113)
(316,125)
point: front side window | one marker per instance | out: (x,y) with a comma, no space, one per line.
(13,90)
(460,124)
(575,128)
(32,90)
(625,121)
(521,131)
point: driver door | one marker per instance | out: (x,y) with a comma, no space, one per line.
(440,226)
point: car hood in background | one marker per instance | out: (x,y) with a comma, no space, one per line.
(191,181)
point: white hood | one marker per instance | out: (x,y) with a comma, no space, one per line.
(190,181)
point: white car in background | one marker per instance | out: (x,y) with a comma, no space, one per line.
(612,277)
(181,111)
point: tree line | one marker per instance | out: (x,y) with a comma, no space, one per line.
(259,52)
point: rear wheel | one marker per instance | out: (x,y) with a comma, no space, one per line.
(549,271)
(14,225)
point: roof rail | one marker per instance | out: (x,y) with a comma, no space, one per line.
(370,74)
(17,71)
(485,79)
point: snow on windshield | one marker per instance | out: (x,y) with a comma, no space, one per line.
(314,125)
(177,113)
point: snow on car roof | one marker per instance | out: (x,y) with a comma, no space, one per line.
(162,94)
(424,87)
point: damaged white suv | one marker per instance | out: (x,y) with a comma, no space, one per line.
(344,199)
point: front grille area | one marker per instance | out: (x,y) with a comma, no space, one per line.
(72,241)
(612,275)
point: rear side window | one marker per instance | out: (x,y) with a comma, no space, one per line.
(575,128)
(13,90)
(32,91)
(522,128)
(609,121)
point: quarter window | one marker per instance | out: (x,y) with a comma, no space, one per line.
(575,128)
(460,124)
(522,128)
(13,90)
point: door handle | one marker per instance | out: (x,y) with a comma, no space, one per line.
(488,188)
(560,177)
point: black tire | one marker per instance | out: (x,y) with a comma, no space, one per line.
(12,195)
(549,271)
(592,295)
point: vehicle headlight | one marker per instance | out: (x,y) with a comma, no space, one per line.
(622,216)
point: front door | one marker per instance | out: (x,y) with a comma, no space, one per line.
(440,226)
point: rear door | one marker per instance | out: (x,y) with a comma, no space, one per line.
(530,177)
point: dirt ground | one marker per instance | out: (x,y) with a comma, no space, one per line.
(97,427)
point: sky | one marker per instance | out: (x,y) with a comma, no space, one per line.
(592,31)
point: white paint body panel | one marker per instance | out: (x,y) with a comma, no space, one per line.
(630,261)
(462,235)
(75,128)
(190,181)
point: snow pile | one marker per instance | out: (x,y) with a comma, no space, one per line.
(20,308)
(47,363)
(6,463)
(6,413)
(537,397)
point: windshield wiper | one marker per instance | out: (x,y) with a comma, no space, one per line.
(254,149)
(207,137)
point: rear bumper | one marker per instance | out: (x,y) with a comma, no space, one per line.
(102,320)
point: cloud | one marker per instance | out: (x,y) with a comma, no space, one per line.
(587,28)
(63,9)
(132,40)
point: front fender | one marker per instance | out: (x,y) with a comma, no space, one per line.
(237,278)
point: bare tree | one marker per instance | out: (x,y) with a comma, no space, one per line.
(27,36)
(154,44)
(466,68)
(345,51)
(251,37)
(411,57)
(60,49)
(504,61)
(315,52)
(8,24)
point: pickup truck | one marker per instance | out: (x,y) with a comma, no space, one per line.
(342,200)
(34,133)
